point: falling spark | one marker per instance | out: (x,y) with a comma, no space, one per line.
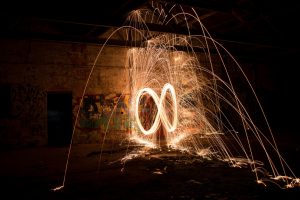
(58,188)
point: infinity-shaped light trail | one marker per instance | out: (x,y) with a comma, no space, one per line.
(161,113)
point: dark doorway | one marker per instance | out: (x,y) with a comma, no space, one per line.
(59,107)
(5,101)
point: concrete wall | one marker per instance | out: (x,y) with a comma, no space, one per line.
(31,68)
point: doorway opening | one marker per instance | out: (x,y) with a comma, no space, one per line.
(59,117)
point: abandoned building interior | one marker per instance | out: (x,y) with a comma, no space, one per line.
(74,79)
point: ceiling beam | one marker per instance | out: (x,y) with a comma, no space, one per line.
(245,40)
(260,53)
(220,6)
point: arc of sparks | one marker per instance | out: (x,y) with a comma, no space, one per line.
(161,113)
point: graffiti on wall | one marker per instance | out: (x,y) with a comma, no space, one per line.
(104,112)
(27,100)
(28,110)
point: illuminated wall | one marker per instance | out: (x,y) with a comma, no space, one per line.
(32,68)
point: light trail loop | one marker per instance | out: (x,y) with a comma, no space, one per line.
(161,111)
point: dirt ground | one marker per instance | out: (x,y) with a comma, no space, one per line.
(31,173)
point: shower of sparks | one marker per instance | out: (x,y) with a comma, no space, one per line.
(198,98)
(205,96)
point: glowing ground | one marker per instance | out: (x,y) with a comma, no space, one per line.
(31,173)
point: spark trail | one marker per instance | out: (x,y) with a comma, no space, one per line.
(190,96)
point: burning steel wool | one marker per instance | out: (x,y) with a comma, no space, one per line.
(184,100)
